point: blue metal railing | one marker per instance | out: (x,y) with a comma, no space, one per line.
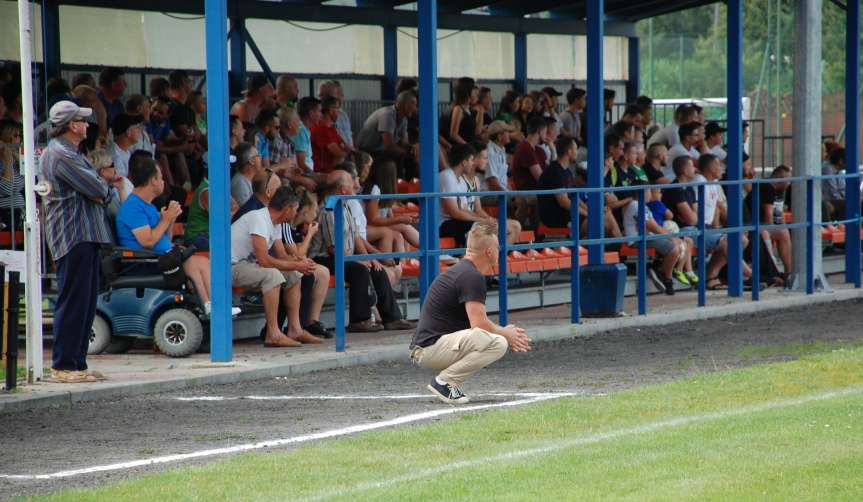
(429,247)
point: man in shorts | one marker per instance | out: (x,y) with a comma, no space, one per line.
(259,261)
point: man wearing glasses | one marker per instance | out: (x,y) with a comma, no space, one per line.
(77,194)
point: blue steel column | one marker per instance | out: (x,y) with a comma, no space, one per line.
(633,85)
(215,12)
(735,145)
(852,140)
(428,107)
(237,77)
(50,43)
(595,126)
(391,63)
(520,53)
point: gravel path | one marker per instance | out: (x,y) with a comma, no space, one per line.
(90,434)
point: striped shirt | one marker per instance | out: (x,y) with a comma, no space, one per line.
(11,191)
(72,215)
(323,241)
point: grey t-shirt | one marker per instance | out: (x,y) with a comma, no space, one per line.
(241,189)
(370,138)
(444,309)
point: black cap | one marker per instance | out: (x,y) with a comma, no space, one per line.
(551,91)
(745,124)
(609,93)
(573,94)
(712,128)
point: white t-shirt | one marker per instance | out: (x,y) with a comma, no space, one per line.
(668,135)
(257,222)
(719,152)
(497,166)
(355,208)
(630,218)
(449,182)
(383,212)
(678,150)
(712,194)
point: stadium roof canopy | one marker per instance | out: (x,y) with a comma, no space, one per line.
(534,16)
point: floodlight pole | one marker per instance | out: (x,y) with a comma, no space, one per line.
(32,245)
(428,110)
(595,127)
(806,140)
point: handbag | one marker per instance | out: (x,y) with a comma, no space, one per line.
(171,266)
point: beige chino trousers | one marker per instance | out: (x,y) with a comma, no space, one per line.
(460,355)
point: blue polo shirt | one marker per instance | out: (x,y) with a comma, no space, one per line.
(137,213)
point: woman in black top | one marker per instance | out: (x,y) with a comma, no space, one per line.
(464,124)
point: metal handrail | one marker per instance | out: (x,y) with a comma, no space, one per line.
(429,252)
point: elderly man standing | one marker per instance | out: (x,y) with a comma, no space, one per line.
(455,336)
(77,194)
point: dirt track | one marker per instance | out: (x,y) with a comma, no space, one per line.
(91,434)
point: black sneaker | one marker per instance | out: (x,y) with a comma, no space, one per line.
(653,276)
(668,284)
(319,330)
(447,393)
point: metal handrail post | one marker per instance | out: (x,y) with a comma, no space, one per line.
(642,255)
(339,252)
(503,287)
(702,253)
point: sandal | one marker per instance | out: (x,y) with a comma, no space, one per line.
(714,284)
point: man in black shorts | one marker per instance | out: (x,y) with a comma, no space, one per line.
(455,336)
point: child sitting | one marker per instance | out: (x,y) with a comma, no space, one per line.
(675,252)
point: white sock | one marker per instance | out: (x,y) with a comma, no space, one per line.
(439,381)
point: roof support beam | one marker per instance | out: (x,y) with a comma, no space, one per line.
(372,16)
(852,139)
(595,128)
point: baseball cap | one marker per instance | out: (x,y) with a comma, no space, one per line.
(574,93)
(65,111)
(712,128)
(609,93)
(499,126)
(551,91)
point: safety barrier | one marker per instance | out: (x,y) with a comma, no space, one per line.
(429,253)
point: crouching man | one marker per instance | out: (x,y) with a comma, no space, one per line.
(455,336)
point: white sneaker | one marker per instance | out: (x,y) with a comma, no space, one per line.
(208,309)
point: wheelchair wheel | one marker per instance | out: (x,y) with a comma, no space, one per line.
(178,333)
(100,336)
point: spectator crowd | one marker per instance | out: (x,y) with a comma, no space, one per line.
(289,151)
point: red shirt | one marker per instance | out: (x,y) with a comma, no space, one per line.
(525,156)
(324,135)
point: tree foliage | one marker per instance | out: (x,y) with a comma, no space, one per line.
(689,50)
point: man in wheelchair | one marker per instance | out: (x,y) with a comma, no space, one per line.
(140,226)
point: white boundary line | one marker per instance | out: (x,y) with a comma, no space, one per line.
(558,446)
(363,398)
(507,456)
(405,419)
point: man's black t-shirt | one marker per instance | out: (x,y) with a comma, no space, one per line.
(652,173)
(550,213)
(181,115)
(672,196)
(767,196)
(443,311)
